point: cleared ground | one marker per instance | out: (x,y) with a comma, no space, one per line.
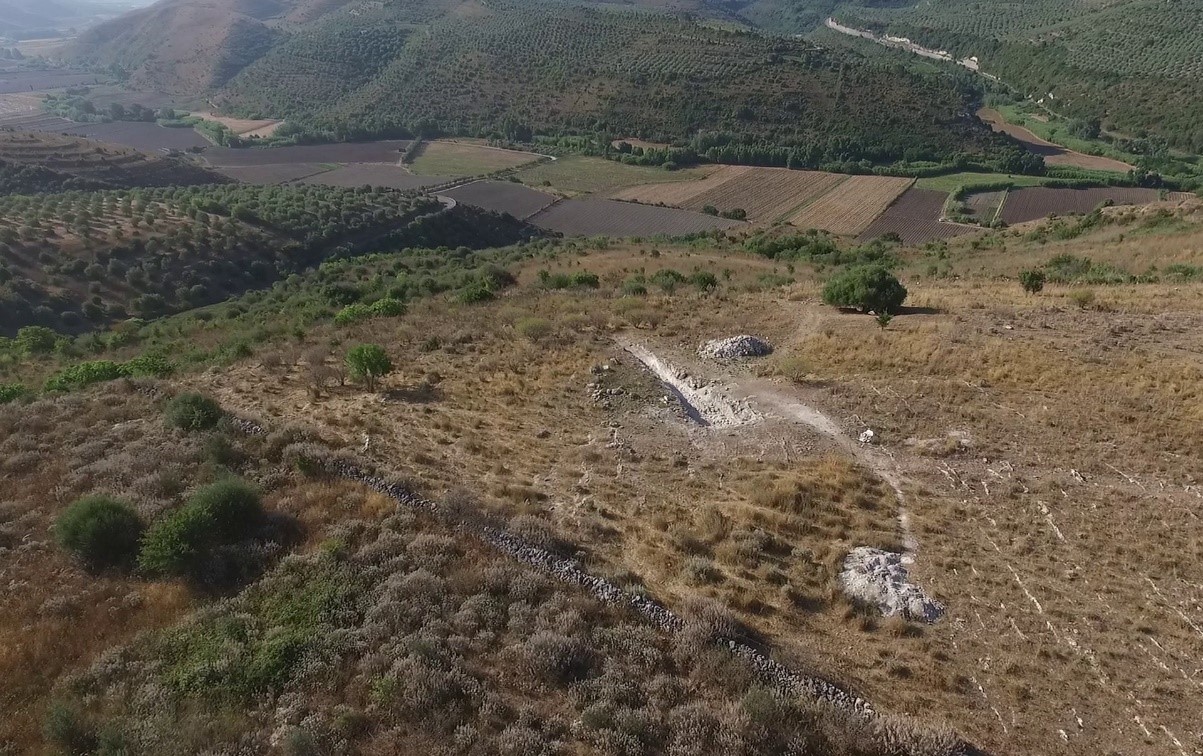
(915,218)
(1023,205)
(387,151)
(574,175)
(765,194)
(502,197)
(851,206)
(463,159)
(600,217)
(244,127)
(375,174)
(1053,154)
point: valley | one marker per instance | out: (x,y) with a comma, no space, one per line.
(516,378)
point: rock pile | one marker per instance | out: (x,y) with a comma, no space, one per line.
(735,347)
(880,579)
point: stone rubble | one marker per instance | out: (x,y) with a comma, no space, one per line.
(735,347)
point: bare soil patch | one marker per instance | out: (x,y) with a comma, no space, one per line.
(1053,154)
(273,174)
(597,217)
(148,137)
(375,174)
(244,127)
(915,218)
(387,151)
(502,197)
(1034,203)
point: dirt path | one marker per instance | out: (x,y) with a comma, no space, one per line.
(1053,154)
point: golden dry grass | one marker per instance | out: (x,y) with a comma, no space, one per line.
(446,158)
(850,207)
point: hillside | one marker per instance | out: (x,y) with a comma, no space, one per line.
(422,577)
(35,162)
(77,261)
(513,70)
(1136,65)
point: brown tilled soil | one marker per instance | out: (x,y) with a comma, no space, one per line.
(1053,154)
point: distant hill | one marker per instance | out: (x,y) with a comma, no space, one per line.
(30,19)
(464,67)
(1137,65)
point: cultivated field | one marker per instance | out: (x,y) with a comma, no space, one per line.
(244,127)
(148,137)
(1053,154)
(502,197)
(852,205)
(915,218)
(1034,203)
(374,174)
(575,174)
(280,173)
(984,206)
(600,217)
(41,81)
(113,165)
(765,194)
(388,151)
(464,159)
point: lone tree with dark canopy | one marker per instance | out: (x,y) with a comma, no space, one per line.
(368,363)
(868,288)
(1032,281)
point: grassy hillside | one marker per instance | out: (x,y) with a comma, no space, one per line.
(74,261)
(1135,64)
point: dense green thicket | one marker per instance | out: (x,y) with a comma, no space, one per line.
(868,288)
(180,542)
(515,72)
(1136,66)
(77,260)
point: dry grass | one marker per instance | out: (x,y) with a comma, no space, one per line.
(441,158)
(850,207)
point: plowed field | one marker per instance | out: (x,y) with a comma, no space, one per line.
(851,206)
(915,217)
(765,194)
(599,217)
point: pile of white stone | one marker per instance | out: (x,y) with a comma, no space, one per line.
(734,347)
(879,578)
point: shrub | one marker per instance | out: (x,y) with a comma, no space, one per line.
(704,280)
(10,392)
(101,531)
(66,727)
(1032,281)
(667,279)
(1083,298)
(193,412)
(868,288)
(534,329)
(389,307)
(368,362)
(352,313)
(36,339)
(218,514)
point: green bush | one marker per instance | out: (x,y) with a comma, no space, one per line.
(193,412)
(10,392)
(84,374)
(1032,281)
(220,513)
(704,280)
(36,339)
(101,531)
(368,362)
(667,279)
(868,288)
(389,307)
(352,313)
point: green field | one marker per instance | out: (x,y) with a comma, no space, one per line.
(951,181)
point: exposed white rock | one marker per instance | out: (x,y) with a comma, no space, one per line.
(736,346)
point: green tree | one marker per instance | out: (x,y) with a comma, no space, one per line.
(101,531)
(868,288)
(368,362)
(1032,281)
